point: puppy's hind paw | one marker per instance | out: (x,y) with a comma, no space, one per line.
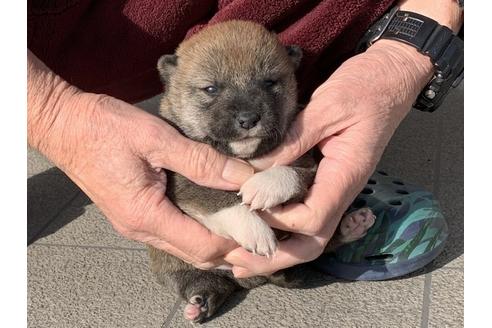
(354,225)
(197,308)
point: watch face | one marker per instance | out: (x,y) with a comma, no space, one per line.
(428,37)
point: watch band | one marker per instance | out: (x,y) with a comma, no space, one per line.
(428,37)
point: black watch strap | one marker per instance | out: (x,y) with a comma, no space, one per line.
(445,50)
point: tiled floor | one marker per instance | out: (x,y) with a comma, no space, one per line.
(83,274)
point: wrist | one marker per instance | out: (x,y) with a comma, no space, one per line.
(385,79)
(406,61)
(51,103)
(398,72)
(445,12)
(422,27)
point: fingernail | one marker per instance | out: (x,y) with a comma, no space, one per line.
(239,272)
(236,171)
(224,267)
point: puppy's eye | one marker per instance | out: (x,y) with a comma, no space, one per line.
(269,83)
(211,89)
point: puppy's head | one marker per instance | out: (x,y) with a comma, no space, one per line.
(232,85)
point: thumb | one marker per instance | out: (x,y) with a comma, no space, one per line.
(202,164)
(305,133)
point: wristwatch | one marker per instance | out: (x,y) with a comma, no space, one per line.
(445,50)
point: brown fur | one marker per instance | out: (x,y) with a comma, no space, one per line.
(237,57)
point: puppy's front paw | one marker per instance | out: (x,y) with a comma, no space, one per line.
(254,234)
(270,188)
(246,227)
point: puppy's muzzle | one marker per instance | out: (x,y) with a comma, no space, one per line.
(247,120)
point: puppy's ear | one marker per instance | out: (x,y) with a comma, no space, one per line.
(166,66)
(295,54)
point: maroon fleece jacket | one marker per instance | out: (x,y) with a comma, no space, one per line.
(112,47)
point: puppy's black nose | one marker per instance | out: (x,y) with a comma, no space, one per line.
(248,120)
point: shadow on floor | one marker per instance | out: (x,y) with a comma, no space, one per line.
(301,277)
(48,195)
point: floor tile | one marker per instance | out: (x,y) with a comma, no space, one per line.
(37,163)
(75,287)
(452,157)
(83,224)
(447,299)
(47,196)
(451,202)
(337,304)
(411,152)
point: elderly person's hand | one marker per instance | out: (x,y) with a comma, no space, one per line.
(115,153)
(351,117)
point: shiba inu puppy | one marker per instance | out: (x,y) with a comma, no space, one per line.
(232,85)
